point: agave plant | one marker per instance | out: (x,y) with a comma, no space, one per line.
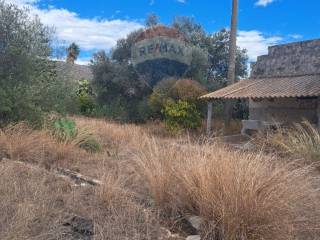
(66,131)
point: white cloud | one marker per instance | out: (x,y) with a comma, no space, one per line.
(256,43)
(295,36)
(264,3)
(89,34)
(21,2)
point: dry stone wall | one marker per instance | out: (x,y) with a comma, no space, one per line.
(301,58)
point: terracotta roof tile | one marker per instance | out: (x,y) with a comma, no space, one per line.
(277,87)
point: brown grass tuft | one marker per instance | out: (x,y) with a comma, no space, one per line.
(240,195)
(115,137)
(302,141)
(19,142)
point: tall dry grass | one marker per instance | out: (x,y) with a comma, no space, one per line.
(240,195)
(36,205)
(19,142)
(114,137)
(302,141)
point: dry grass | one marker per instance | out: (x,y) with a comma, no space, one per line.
(37,146)
(302,140)
(240,195)
(29,209)
(36,206)
(115,137)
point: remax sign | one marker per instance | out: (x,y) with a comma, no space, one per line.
(161,47)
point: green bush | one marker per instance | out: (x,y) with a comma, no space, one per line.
(172,89)
(86,104)
(66,131)
(182,115)
(162,92)
(85,98)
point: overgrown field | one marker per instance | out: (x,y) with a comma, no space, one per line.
(150,183)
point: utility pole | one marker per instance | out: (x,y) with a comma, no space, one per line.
(232,58)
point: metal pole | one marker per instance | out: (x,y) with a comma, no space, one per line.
(232,58)
(209,119)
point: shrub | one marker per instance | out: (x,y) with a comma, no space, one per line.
(182,115)
(86,104)
(188,90)
(65,131)
(171,89)
(85,99)
(162,92)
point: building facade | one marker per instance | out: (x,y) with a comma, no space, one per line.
(283,88)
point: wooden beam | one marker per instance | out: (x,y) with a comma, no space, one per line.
(209,118)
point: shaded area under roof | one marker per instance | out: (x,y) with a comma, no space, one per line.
(275,87)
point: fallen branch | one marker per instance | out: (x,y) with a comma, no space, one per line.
(60,172)
(78,177)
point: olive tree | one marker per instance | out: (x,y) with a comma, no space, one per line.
(28,80)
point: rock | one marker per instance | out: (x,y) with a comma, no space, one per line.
(193,237)
(82,228)
(195,221)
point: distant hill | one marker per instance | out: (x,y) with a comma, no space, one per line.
(74,71)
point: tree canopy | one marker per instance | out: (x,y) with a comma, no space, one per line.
(73,52)
(29,84)
(122,87)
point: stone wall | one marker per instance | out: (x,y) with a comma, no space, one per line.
(301,58)
(284,110)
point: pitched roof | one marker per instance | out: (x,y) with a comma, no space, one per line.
(275,87)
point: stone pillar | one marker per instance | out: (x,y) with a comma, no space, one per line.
(209,118)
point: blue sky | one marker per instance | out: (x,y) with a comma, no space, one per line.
(97,24)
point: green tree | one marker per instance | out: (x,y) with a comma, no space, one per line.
(152,20)
(210,65)
(122,51)
(193,31)
(119,88)
(73,52)
(85,98)
(29,85)
(217,46)
(24,48)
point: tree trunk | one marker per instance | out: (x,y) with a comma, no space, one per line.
(232,59)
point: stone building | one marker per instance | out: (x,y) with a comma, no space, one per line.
(284,87)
